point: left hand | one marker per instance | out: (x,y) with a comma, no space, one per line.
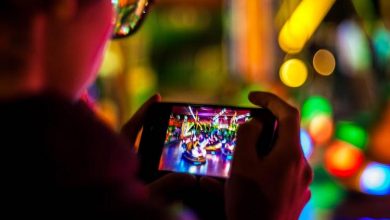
(164,190)
(132,127)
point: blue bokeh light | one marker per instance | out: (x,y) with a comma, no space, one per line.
(307,143)
(375,179)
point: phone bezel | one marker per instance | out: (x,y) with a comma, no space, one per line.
(156,124)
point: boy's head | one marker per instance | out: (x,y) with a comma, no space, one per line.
(51,44)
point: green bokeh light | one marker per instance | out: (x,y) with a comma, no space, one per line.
(326,193)
(315,105)
(352,133)
(242,98)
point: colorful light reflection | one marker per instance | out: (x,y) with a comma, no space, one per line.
(375,179)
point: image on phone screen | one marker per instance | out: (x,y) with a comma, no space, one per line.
(201,140)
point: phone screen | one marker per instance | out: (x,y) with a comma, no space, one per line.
(201,140)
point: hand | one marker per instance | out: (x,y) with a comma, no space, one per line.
(133,127)
(275,186)
(166,189)
(170,188)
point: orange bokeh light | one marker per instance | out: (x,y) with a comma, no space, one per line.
(343,159)
(321,129)
(380,141)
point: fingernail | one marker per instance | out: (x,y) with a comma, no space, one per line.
(157,97)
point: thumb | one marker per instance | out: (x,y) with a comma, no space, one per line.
(245,155)
(134,125)
(172,183)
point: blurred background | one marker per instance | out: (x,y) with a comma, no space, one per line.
(329,58)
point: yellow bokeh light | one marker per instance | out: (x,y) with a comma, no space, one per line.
(324,62)
(293,73)
(301,25)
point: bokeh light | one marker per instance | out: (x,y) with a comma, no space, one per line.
(113,61)
(321,128)
(342,159)
(381,40)
(353,49)
(107,111)
(307,212)
(326,193)
(324,62)
(299,28)
(379,138)
(352,133)
(293,73)
(375,179)
(316,105)
(306,143)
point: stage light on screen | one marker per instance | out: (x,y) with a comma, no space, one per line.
(352,133)
(293,73)
(321,128)
(301,25)
(375,179)
(324,62)
(306,143)
(342,159)
(316,105)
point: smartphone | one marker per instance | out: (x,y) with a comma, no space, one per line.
(197,139)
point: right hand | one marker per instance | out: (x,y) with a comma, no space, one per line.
(274,186)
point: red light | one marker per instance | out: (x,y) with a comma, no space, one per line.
(343,159)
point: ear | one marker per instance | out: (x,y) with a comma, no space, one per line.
(65,9)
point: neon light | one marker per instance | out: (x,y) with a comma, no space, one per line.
(293,73)
(303,22)
(306,143)
(219,114)
(242,116)
(375,179)
(192,113)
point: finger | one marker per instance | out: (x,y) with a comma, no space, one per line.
(245,154)
(303,202)
(134,125)
(307,195)
(213,186)
(287,116)
(308,174)
(172,183)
